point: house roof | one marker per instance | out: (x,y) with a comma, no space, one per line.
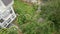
(5,4)
(1,9)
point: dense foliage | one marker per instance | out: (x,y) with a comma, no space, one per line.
(11,30)
(27,18)
(51,11)
(24,11)
(38,28)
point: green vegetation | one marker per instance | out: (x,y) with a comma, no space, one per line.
(24,11)
(12,30)
(51,11)
(32,22)
(38,28)
(27,18)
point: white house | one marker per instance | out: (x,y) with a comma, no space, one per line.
(7,14)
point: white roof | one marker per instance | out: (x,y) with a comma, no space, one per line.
(5,4)
(1,10)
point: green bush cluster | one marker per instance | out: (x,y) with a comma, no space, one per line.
(38,28)
(27,17)
(51,11)
(24,11)
(11,30)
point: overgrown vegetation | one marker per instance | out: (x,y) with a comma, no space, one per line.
(27,20)
(24,11)
(11,30)
(51,11)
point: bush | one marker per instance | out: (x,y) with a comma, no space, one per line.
(27,18)
(45,27)
(51,11)
(12,30)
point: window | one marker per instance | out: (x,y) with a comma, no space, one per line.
(6,2)
(1,20)
(11,12)
(8,20)
(5,25)
(13,16)
(8,26)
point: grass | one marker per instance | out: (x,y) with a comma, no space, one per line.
(27,19)
(26,13)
